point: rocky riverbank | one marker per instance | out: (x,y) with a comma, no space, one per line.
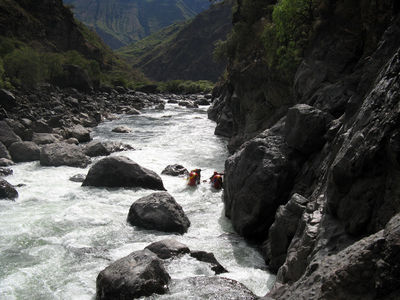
(53,125)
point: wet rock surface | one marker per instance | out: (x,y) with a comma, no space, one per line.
(158,211)
(139,274)
(168,248)
(7,191)
(175,170)
(120,171)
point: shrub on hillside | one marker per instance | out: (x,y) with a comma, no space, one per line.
(23,67)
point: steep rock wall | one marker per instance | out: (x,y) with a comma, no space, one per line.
(343,141)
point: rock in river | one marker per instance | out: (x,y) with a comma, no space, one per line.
(139,274)
(24,151)
(7,191)
(122,129)
(62,154)
(168,248)
(175,170)
(120,171)
(159,211)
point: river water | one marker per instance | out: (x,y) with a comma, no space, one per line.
(57,236)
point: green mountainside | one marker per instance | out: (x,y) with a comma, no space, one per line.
(122,22)
(183,51)
(39,39)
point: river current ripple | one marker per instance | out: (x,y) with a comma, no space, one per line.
(57,236)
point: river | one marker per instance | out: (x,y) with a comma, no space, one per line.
(57,236)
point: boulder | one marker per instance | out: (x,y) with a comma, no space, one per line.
(72,141)
(45,138)
(7,99)
(175,170)
(367,269)
(139,274)
(120,171)
(209,258)
(168,248)
(132,111)
(158,211)
(25,133)
(62,154)
(7,135)
(6,171)
(4,153)
(117,146)
(7,191)
(122,129)
(212,287)
(24,151)
(79,132)
(258,178)
(4,162)
(41,126)
(96,148)
(78,178)
(283,230)
(305,128)
(202,102)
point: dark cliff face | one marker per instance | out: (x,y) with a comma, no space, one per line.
(325,175)
(189,54)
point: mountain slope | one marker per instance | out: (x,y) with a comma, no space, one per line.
(37,40)
(183,51)
(121,22)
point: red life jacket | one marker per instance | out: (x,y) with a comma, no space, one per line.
(192,180)
(217,181)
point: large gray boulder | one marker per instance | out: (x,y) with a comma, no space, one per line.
(139,274)
(62,154)
(258,179)
(79,132)
(7,191)
(120,171)
(45,138)
(96,148)
(24,151)
(158,211)
(7,135)
(305,128)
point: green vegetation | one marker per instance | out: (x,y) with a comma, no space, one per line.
(185,86)
(136,52)
(276,33)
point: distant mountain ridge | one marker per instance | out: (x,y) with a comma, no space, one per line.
(122,22)
(183,51)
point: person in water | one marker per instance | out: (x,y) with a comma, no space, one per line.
(194,177)
(216,180)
